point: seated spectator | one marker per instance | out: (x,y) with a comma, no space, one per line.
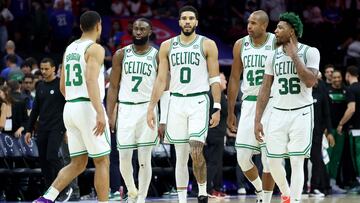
(28,89)
(25,68)
(33,64)
(119,8)
(10,50)
(354,47)
(139,8)
(15,109)
(161,9)
(11,70)
(312,15)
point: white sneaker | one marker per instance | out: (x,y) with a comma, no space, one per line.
(316,193)
(241,191)
(337,190)
(259,196)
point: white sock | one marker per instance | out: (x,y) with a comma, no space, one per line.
(140,199)
(267,196)
(297,177)
(279,175)
(51,193)
(202,189)
(145,172)
(182,194)
(126,170)
(257,184)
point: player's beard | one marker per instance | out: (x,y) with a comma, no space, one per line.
(188,33)
(141,41)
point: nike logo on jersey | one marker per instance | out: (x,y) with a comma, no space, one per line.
(305,113)
(201,101)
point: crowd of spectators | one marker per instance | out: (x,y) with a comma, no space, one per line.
(31,30)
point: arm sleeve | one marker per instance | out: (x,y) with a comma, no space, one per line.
(269,64)
(313,58)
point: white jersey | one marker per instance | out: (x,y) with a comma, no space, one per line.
(74,65)
(289,91)
(253,60)
(138,75)
(188,67)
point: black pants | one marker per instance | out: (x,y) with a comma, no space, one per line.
(214,161)
(319,177)
(115,177)
(49,143)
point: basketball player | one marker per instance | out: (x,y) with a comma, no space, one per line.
(250,54)
(292,70)
(132,78)
(82,84)
(193,63)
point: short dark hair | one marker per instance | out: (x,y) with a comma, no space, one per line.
(88,20)
(353,70)
(32,61)
(294,21)
(25,64)
(13,85)
(48,60)
(28,75)
(189,8)
(11,58)
(144,20)
(329,66)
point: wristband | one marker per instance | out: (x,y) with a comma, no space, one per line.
(217,106)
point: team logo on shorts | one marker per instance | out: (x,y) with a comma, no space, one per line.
(196,46)
(149,58)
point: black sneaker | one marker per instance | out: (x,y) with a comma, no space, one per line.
(65,195)
(75,196)
(202,199)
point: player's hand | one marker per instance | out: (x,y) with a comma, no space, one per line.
(66,138)
(259,132)
(229,133)
(100,124)
(28,138)
(161,131)
(331,140)
(231,122)
(215,119)
(291,48)
(150,119)
(112,124)
(17,133)
(339,129)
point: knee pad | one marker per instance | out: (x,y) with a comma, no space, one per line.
(244,159)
